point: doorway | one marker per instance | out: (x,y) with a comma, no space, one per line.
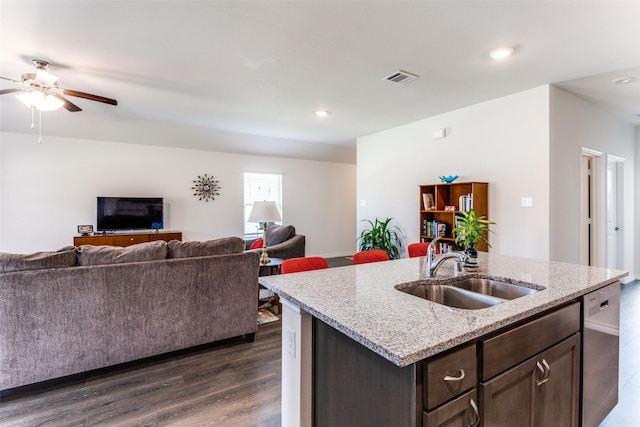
(590,248)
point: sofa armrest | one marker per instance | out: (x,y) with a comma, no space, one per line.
(292,248)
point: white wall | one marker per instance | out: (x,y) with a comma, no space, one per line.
(504,142)
(47,189)
(576,123)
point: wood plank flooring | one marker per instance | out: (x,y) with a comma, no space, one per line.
(231,384)
(227,384)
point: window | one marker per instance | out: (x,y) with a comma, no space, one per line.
(260,186)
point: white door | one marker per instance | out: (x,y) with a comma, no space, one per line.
(614,201)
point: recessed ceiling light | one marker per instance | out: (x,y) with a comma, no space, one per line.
(501,52)
(322,113)
(623,80)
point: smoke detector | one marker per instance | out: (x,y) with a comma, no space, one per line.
(401,77)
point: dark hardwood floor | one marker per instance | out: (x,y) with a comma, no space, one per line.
(227,384)
(230,384)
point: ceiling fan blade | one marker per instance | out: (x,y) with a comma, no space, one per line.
(2,92)
(98,98)
(11,80)
(70,106)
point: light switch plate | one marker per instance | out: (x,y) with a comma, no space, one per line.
(527,202)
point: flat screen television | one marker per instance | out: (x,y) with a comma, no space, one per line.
(129,213)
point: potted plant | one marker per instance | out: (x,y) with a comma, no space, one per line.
(381,236)
(471,228)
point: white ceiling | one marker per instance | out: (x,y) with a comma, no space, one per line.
(247,76)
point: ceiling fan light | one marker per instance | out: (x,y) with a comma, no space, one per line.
(40,101)
(49,103)
(45,78)
(27,98)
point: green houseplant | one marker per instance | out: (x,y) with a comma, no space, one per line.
(381,236)
(469,230)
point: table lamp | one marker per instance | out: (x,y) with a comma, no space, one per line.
(264,212)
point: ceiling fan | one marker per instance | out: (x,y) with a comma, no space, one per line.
(41,90)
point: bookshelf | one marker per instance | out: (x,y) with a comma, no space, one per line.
(438,220)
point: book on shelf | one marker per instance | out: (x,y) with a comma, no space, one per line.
(434,228)
(427,200)
(465,202)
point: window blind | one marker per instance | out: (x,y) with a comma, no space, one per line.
(260,186)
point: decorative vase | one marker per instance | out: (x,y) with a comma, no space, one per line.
(472,258)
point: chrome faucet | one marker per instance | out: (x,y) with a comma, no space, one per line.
(433,263)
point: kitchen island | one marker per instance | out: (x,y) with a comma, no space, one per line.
(398,330)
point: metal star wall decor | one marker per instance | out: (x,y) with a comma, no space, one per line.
(206,187)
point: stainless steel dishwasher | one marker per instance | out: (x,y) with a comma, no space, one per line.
(600,353)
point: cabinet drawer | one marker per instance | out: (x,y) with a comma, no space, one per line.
(93,240)
(130,239)
(462,411)
(165,236)
(503,351)
(449,375)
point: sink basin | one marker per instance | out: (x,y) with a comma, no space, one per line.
(452,297)
(494,288)
(470,293)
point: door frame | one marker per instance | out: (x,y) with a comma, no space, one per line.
(593,232)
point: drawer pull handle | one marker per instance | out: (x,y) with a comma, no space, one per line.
(476,413)
(450,378)
(545,370)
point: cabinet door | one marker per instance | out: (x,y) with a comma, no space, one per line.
(541,391)
(461,412)
(508,400)
(558,395)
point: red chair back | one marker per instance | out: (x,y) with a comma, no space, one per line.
(296,265)
(373,255)
(418,249)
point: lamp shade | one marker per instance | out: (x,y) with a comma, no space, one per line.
(41,102)
(264,212)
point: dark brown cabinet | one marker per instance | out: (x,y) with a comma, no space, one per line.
(541,391)
(126,239)
(525,375)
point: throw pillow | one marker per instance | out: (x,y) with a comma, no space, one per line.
(277,234)
(98,255)
(257,244)
(65,257)
(226,245)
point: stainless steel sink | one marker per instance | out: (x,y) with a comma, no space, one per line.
(452,297)
(470,293)
(494,288)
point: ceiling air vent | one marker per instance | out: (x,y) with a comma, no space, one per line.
(401,77)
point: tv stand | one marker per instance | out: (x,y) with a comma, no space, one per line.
(126,239)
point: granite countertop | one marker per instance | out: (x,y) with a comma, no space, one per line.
(362,301)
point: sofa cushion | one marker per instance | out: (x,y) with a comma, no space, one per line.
(97,255)
(224,246)
(277,234)
(65,257)
(257,244)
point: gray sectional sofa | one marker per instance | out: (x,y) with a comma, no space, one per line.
(84,308)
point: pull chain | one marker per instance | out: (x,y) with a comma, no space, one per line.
(40,128)
(32,115)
